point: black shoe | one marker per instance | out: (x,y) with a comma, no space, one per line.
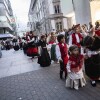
(93,83)
(61,74)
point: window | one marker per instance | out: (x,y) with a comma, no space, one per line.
(59,25)
(57,9)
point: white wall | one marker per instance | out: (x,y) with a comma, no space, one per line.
(50,6)
(95,11)
(66,6)
(65,23)
(53,24)
(82,11)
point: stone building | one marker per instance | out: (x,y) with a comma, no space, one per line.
(6,17)
(46,15)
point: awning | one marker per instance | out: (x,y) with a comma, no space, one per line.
(6,36)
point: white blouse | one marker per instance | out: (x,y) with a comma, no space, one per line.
(58,53)
(70,39)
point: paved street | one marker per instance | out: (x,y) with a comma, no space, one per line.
(13,63)
(23,79)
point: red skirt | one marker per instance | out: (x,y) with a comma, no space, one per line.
(32,52)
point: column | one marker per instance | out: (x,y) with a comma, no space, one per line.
(82,11)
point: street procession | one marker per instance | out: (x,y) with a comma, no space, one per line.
(79,52)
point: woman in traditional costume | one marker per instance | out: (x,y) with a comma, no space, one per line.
(32,50)
(52,45)
(44,58)
(92,63)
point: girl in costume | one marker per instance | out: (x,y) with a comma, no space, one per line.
(44,58)
(74,67)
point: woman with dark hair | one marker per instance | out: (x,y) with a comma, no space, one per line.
(32,50)
(92,62)
(44,58)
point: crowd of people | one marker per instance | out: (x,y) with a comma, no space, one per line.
(10,43)
(76,50)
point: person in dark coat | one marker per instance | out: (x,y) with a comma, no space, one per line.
(15,44)
(7,45)
(92,63)
(44,58)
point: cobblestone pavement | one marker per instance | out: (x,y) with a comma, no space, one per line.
(43,84)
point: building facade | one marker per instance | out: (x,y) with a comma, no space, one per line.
(7,21)
(81,11)
(46,15)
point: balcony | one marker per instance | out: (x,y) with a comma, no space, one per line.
(54,16)
(6,25)
(54,1)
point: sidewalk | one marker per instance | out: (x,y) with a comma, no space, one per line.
(13,63)
(39,84)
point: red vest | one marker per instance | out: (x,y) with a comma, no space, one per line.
(51,42)
(76,61)
(64,52)
(74,39)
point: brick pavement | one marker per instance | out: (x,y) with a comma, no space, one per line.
(43,84)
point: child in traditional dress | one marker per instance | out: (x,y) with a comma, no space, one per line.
(44,58)
(74,67)
(62,54)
